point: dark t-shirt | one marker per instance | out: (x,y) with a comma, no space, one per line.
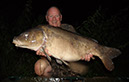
(68,27)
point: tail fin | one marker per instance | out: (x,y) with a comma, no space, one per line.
(107,56)
(112,52)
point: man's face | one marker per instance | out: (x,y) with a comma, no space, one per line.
(54,17)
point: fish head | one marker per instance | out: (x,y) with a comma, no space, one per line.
(31,39)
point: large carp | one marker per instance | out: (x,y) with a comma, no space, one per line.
(65,45)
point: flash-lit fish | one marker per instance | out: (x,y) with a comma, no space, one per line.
(65,45)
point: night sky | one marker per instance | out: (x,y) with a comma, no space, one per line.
(73,11)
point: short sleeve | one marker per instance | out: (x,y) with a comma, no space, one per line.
(68,27)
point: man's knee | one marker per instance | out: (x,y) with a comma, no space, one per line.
(43,68)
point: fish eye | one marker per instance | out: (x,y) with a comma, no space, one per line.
(26,36)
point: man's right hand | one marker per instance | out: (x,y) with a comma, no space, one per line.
(38,52)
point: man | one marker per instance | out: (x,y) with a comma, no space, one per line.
(54,18)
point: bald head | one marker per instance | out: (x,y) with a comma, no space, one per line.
(54,10)
(54,17)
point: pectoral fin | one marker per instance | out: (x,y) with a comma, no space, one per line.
(60,62)
(65,63)
(48,57)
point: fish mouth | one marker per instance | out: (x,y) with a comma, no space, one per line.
(21,45)
(17,43)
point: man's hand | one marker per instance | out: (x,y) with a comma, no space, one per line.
(88,57)
(38,52)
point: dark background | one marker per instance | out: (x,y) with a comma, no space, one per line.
(72,11)
(107,21)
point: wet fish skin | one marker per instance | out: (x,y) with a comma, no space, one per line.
(66,46)
(31,39)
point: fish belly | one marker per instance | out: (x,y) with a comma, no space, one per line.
(63,49)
